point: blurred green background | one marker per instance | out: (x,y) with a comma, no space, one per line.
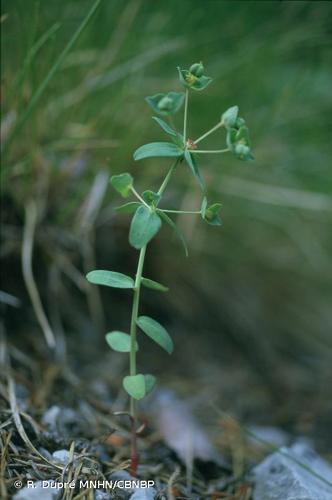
(250,309)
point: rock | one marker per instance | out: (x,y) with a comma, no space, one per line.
(281,477)
(61,456)
(268,434)
(37,492)
(144,494)
(65,421)
(102,495)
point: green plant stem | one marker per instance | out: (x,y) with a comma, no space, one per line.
(133,327)
(133,190)
(213,129)
(185,117)
(209,151)
(168,177)
(180,211)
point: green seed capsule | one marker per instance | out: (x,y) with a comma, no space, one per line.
(165,103)
(241,150)
(197,69)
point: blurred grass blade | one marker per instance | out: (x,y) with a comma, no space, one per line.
(31,214)
(31,55)
(42,87)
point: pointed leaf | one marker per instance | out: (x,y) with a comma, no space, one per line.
(119,341)
(156,332)
(144,226)
(157,149)
(110,278)
(154,285)
(135,385)
(165,126)
(191,162)
(122,183)
(177,231)
(128,208)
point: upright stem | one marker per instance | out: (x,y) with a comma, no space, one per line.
(133,328)
(185,118)
(133,333)
(167,178)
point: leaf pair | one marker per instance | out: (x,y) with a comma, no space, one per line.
(192,81)
(138,386)
(166,104)
(119,280)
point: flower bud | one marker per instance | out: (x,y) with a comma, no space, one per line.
(197,69)
(165,103)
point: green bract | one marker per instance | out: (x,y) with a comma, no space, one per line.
(211,214)
(166,104)
(230,116)
(238,140)
(149,214)
(192,81)
(122,183)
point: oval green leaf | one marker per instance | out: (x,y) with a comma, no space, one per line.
(157,149)
(119,341)
(144,226)
(110,278)
(154,285)
(156,332)
(135,385)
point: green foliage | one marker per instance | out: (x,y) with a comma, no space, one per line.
(144,226)
(192,164)
(166,104)
(156,332)
(193,81)
(157,149)
(154,285)
(122,183)
(230,116)
(138,386)
(148,216)
(211,214)
(119,341)
(110,278)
